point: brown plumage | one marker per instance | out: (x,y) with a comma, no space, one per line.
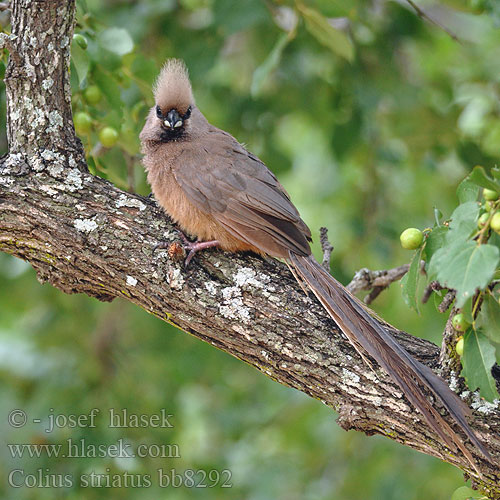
(216,190)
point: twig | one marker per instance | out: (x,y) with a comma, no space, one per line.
(376,281)
(326,246)
(4,6)
(447,301)
(434,286)
(421,13)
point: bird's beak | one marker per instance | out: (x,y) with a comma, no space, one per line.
(173,119)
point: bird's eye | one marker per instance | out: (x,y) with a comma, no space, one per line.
(178,124)
(158,112)
(187,114)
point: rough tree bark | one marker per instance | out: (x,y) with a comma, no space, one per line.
(83,235)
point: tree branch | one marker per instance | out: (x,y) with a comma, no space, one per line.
(426,16)
(376,281)
(83,235)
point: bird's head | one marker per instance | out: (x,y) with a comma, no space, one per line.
(172,122)
(174,102)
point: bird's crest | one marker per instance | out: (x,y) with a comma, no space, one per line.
(172,89)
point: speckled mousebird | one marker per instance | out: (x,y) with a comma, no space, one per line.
(224,196)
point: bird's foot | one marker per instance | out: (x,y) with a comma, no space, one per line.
(191,247)
(196,246)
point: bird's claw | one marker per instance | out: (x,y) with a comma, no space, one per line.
(191,247)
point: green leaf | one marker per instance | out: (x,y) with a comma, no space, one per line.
(465,267)
(478,359)
(116,40)
(465,493)
(409,282)
(463,221)
(435,241)
(489,318)
(479,177)
(337,41)
(80,60)
(467,191)
(437,216)
(271,63)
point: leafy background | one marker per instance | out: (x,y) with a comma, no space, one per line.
(370,117)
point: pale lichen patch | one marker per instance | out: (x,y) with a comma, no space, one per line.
(48,189)
(175,278)
(47,83)
(74,180)
(131,281)
(27,103)
(232,306)
(12,160)
(453,383)
(40,118)
(230,292)
(55,168)
(85,225)
(6,181)
(246,276)
(37,164)
(350,377)
(211,288)
(72,162)
(126,201)
(55,120)
(483,406)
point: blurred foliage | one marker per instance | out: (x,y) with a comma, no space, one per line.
(369,115)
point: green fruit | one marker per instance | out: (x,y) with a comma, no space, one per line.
(490,195)
(488,206)
(460,346)
(80,40)
(459,322)
(411,238)
(93,94)
(483,220)
(495,222)
(83,123)
(108,137)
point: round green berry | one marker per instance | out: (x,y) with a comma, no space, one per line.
(108,137)
(459,322)
(483,220)
(93,94)
(80,40)
(83,123)
(490,195)
(488,206)
(495,222)
(459,347)
(411,238)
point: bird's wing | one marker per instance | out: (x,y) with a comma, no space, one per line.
(224,180)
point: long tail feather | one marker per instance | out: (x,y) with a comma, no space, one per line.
(367,335)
